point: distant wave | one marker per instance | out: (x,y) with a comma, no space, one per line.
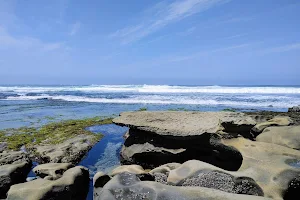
(281,102)
(154,89)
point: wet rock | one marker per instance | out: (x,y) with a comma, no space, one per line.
(276,121)
(151,150)
(70,151)
(55,170)
(3,146)
(13,157)
(11,174)
(74,184)
(127,186)
(293,189)
(288,136)
(294,109)
(99,180)
(270,165)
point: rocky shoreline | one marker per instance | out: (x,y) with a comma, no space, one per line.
(173,155)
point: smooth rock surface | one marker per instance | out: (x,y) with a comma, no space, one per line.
(127,186)
(11,174)
(74,184)
(55,170)
(135,169)
(170,123)
(276,121)
(270,165)
(288,136)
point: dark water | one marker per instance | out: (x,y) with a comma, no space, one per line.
(104,156)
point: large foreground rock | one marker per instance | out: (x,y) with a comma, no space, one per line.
(11,174)
(157,138)
(272,166)
(70,151)
(128,186)
(74,184)
(288,136)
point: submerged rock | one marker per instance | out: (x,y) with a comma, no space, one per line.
(127,186)
(11,174)
(74,184)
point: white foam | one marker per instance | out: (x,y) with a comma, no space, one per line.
(156,89)
(167,99)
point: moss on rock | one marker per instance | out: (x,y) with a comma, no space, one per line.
(52,133)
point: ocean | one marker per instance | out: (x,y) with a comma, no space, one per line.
(36,105)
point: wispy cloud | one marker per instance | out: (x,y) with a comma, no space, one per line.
(163,14)
(282,49)
(188,31)
(201,53)
(8,41)
(75,28)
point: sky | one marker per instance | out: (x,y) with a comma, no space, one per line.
(179,42)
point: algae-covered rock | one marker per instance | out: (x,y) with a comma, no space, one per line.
(69,151)
(74,184)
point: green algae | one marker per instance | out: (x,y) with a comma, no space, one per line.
(143,109)
(51,133)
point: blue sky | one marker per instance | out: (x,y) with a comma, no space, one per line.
(150,42)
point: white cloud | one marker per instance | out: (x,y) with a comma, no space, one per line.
(163,14)
(8,41)
(75,28)
(281,49)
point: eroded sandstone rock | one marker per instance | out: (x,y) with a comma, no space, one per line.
(74,184)
(127,186)
(276,121)
(11,174)
(271,166)
(70,151)
(55,170)
(288,136)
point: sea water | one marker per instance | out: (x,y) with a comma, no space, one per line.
(38,105)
